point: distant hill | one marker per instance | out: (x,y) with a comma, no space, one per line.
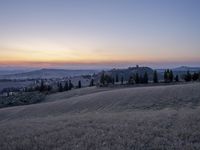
(181,70)
(9,72)
(185,68)
(60,73)
(48,73)
(126,73)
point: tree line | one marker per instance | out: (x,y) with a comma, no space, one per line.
(106,79)
(137,78)
(61,87)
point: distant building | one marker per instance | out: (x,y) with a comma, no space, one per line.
(12,93)
(9,91)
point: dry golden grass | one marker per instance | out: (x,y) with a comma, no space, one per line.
(162,117)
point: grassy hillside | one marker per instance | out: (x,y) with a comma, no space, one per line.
(161,117)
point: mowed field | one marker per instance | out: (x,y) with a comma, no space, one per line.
(159,117)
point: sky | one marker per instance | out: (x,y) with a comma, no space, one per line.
(99,33)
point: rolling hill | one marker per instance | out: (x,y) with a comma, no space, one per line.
(48,73)
(186,68)
(159,117)
(181,70)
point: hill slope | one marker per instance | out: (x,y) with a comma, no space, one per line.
(127,99)
(48,74)
(162,117)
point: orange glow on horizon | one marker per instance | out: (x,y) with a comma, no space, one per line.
(62,56)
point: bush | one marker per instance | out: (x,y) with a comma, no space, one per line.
(22,99)
(195,76)
(188,77)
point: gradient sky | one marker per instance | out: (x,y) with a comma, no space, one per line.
(99,33)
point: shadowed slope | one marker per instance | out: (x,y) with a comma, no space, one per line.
(127,99)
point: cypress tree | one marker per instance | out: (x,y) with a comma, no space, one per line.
(70,85)
(42,87)
(122,80)
(137,79)
(165,76)
(113,80)
(188,77)
(92,82)
(49,88)
(171,76)
(60,89)
(177,78)
(168,74)
(155,77)
(117,78)
(66,87)
(195,76)
(141,79)
(108,79)
(146,79)
(102,79)
(79,84)
(131,80)
(199,76)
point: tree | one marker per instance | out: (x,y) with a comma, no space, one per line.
(199,76)
(122,80)
(137,78)
(66,87)
(131,80)
(70,85)
(165,76)
(146,79)
(79,84)
(60,88)
(195,76)
(92,82)
(177,78)
(117,78)
(113,80)
(171,76)
(188,76)
(155,77)
(168,76)
(108,79)
(141,79)
(42,87)
(102,79)
(49,88)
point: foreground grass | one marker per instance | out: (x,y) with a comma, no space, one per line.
(132,118)
(162,129)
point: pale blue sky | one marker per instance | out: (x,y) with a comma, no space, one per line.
(100,32)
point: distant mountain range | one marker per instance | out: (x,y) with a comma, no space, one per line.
(9,72)
(185,68)
(181,69)
(48,73)
(60,73)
